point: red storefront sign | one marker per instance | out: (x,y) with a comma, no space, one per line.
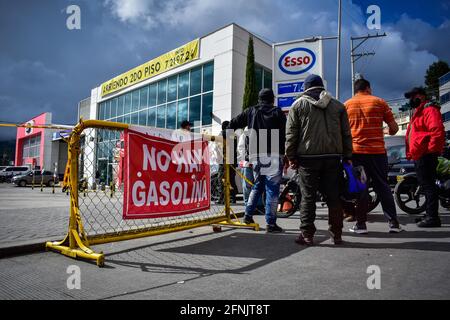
(164,178)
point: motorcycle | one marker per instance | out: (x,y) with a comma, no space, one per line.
(290,198)
(410,197)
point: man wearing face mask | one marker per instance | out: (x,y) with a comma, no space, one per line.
(425,140)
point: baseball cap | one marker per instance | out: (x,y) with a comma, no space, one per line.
(414,91)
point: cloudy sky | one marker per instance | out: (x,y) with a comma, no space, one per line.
(46,67)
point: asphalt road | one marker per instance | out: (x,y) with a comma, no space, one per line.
(237,264)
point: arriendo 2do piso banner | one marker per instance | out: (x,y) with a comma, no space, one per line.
(168,61)
(292,63)
(164,178)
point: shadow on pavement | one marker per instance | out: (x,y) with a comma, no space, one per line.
(208,254)
(236,253)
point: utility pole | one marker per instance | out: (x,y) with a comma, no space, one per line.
(356,56)
(338,65)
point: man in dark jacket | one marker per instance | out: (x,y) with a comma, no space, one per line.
(265,124)
(317,137)
(425,140)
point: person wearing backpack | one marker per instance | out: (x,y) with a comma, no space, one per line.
(317,138)
(266,138)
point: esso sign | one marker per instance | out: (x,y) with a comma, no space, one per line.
(297,61)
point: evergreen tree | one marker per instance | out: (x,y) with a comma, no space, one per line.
(250,91)
(434,72)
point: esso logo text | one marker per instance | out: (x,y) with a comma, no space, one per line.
(297,61)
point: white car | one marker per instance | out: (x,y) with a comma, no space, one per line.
(10,172)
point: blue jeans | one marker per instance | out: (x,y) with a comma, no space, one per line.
(270,182)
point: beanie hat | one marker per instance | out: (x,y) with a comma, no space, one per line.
(266,95)
(313,81)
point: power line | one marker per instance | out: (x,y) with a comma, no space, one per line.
(356,56)
(374,49)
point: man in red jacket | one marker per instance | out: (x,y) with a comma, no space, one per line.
(425,140)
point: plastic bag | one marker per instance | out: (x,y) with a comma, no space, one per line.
(355,181)
(443,168)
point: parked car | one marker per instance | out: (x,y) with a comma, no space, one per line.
(9,172)
(27,178)
(398,164)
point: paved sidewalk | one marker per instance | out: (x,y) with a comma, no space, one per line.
(243,264)
(30,216)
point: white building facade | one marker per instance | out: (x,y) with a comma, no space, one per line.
(206,92)
(212,84)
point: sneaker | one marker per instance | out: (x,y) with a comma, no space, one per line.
(395,227)
(248,220)
(429,223)
(304,240)
(359,229)
(274,229)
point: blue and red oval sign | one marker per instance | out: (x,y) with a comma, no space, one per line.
(297,61)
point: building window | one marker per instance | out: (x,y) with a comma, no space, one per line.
(153,91)
(195,104)
(207,109)
(151,117)
(161,116)
(196,81)
(114,108)
(183,85)
(120,102)
(171,118)
(135,118)
(135,101)
(164,104)
(127,103)
(444,79)
(162,91)
(445,98)
(208,77)
(172,89)
(259,77)
(31,148)
(143,100)
(263,77)
(182,112)
(143,117)
(446,117)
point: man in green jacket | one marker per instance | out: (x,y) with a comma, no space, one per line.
(318,136)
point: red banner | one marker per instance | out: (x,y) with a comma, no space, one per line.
(164,178)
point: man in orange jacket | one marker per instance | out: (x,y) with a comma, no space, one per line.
(425,140)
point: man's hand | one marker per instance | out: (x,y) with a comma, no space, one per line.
(294,164)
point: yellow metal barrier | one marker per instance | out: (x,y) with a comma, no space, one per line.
(96,214)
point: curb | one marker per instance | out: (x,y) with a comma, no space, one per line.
(39,245)
(21,249)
